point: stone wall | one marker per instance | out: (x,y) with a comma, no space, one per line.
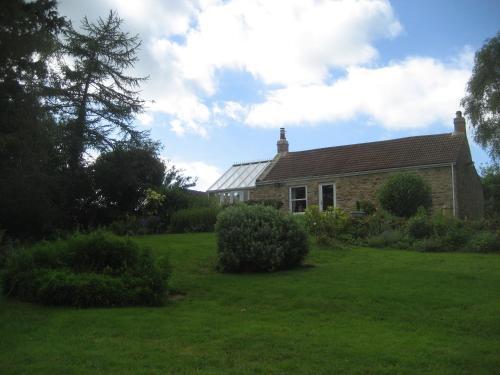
(470,199)
(350,189)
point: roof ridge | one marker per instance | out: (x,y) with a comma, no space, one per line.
(376,142)
(252,162)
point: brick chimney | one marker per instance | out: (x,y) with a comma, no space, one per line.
(459,123)
(282,142)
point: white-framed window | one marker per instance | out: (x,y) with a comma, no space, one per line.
(327,196)
(230,197)
(298,198)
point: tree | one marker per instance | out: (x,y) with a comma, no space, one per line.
(404,193)
(93,94)
(482,100)
(175,179)
(491,184)
(123,176)
(29,157)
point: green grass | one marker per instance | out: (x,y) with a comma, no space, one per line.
(353,311)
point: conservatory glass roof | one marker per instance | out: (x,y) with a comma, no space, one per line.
(240,176)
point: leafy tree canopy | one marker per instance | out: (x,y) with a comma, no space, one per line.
(29,157)
(491,184)
(123,176)
(482,102)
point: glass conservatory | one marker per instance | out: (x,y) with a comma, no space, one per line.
(234,186)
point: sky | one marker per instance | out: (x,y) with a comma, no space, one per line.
(224,76)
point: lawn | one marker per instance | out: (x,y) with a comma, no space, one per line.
(347,311)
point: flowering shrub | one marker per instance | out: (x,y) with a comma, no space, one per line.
(327,225)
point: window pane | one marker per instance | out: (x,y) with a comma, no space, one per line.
(299,193)
(299,206)
(327,196)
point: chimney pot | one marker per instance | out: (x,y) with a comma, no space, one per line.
(282,142)
(459,124)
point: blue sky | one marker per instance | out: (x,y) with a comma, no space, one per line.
(226,75)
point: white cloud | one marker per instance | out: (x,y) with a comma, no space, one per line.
(145,16)
(145,119)
(410,94)
(227,111)
(294,45)
(284,42)
(206,173)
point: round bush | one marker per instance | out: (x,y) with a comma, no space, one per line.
(404,193)
(258,238)
(97,269)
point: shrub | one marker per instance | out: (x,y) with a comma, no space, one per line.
(382,221)
(403,193)
(327,225)
(359,227)
(97,269)
(419,226)
(200,219)
(276,203)
(258,238)
(388,238)
(452,232)
(366,206)
(483,242)
(6,248)
(428,245)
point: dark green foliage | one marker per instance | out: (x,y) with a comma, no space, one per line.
(157,218)
(327,226)
(381,221)
(439,233)
(177,198)
(432,245)
(29,159)
(258,238)
(97,269)
(419,226)
(127,226)
(93,94)
(456,238)
(123,175)
(404,193)
(198,219)
(366,206)
(491,187)
(453,233)
(482,102)
(6,248)
(276,203)
(388,238)
(483,242)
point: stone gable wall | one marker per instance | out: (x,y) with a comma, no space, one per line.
(470,199)
(350,189)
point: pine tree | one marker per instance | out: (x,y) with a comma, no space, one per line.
(92,94)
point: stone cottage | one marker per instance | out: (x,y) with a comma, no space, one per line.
(340,176)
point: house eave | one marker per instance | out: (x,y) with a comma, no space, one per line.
(233,189)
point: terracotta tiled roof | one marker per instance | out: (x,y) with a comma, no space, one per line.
(395,153)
